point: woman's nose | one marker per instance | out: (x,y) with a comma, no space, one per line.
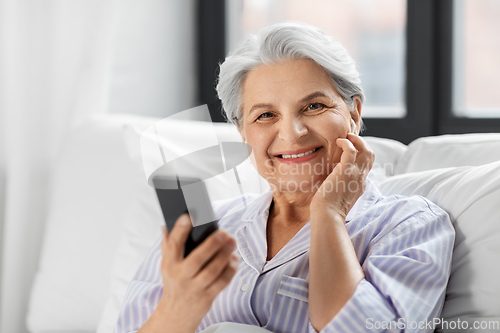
(292,129)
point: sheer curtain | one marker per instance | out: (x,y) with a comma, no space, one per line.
(60,62)
(54,70)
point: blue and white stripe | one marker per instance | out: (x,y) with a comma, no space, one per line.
(404,245)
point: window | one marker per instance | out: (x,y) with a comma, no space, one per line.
(428,67)
(476,58)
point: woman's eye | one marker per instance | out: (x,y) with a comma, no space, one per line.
(266,115)
(316,106)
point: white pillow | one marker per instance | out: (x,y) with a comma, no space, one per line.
(90,188)
(142,227)
(449,151)
(387,153)
(471,195)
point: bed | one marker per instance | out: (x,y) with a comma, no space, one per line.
(103,218)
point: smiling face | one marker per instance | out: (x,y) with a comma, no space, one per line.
(292,117)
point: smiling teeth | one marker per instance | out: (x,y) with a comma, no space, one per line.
(299,155)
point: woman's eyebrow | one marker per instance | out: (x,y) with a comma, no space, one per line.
(314,95)
(260,106)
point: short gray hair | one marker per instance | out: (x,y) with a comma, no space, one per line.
(286,41)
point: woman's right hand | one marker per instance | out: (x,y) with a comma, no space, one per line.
(191,284)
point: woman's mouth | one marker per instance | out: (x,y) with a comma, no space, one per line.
(298,158)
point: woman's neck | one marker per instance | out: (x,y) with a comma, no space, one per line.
(290,208)
(286,218)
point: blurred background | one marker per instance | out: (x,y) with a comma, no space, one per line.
(427,67)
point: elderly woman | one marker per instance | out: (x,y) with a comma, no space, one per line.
(323,250)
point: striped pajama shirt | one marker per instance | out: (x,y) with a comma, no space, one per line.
(404,245)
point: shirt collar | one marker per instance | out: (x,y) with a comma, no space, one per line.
(258,206)
(261,204)
(252,239)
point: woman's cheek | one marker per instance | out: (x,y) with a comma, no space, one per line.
(253,161)
(260,160)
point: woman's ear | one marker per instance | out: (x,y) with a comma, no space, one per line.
(356,113)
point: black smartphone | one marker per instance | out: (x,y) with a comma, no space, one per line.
(173,204)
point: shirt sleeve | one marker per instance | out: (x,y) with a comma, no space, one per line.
(406,274)
(143,294)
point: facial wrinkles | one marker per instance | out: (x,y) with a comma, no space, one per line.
(292,131)
(284,89)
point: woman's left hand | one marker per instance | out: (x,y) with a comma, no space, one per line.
(347,182)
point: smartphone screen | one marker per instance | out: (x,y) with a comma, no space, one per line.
(173,204)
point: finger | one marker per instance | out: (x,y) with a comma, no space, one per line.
(164,232)
(348,151)
(214,268)
(176,241)
(224,278)
(204,252)
(365,156)
(357,141)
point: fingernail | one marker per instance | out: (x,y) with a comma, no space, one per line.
(220,236)
(185,221)
(234,260)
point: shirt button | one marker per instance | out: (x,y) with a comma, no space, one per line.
(244,287)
